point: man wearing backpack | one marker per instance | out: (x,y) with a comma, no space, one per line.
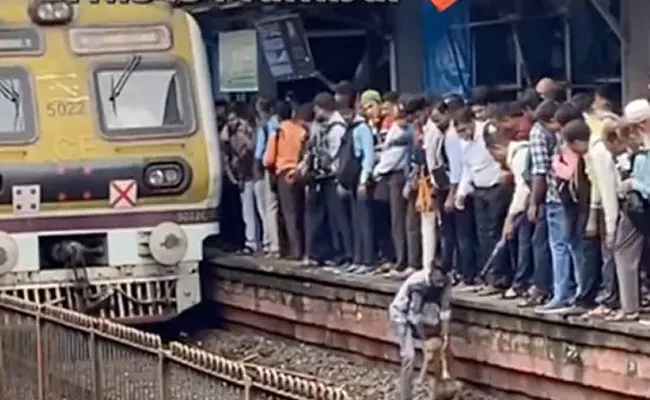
(324,202)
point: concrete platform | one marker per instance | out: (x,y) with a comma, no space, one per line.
(494,343)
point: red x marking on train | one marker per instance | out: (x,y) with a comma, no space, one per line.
(123,193)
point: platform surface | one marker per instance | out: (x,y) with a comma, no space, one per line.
(494,304)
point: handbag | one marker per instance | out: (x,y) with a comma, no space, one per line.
(424,201)
(637,210)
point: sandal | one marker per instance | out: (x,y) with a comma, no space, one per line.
(621,316)
(532,301)
(384,268)
(273,255)
(600,312)
(488,291)
(396,275)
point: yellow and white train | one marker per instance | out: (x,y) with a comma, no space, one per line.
(109,158)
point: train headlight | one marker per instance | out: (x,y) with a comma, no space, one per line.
(168,243)
(156,178)
(51,12)
(8,253)
(161,176)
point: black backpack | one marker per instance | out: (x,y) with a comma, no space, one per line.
(319,158)
(349,167)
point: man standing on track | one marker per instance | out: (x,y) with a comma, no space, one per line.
(421,309)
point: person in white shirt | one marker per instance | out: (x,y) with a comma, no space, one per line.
(454,229)
(483,176)
(433,146)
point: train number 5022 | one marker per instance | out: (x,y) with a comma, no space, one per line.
(66,108)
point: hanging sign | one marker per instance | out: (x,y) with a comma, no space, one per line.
(285,48)
(238,61)
(442,5)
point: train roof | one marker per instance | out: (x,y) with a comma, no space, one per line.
(14,12)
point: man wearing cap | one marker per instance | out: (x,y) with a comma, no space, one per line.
(363,260)
(630,239)
(371,104)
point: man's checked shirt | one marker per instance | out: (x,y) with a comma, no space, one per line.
(543,146)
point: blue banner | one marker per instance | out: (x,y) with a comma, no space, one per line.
(447,49)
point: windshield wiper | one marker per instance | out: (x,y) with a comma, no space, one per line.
(117,87)
(10,93)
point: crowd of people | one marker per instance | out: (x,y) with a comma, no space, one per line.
(536,199)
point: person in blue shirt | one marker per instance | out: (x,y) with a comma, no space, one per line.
(393,168)
(363,260)
(266,198)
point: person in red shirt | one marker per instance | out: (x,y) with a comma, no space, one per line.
(388,113)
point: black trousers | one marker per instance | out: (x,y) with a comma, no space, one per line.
(490,209)
(362,228)
(398,209)
(381,222)
(326,212)
(413,235)
(523,264)
(291,198)
(543,274)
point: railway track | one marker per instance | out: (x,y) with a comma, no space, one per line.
(361,377)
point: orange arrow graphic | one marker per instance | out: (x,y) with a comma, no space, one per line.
(442,5)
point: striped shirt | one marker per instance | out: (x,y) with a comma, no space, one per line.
(543,146)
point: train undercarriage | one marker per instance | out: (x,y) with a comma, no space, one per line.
(128,294)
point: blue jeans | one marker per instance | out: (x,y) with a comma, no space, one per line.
(565,247)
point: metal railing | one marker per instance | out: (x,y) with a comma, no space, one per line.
(51,353)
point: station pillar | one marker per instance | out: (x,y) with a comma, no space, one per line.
(409,51)
(635,49)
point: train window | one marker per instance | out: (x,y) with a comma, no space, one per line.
(144,100)
(16,106)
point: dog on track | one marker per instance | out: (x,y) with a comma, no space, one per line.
(435,360)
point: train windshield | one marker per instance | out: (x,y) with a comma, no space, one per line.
(151,100)
(12,118)
(16,112)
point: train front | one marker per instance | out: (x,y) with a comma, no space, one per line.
(109,167)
